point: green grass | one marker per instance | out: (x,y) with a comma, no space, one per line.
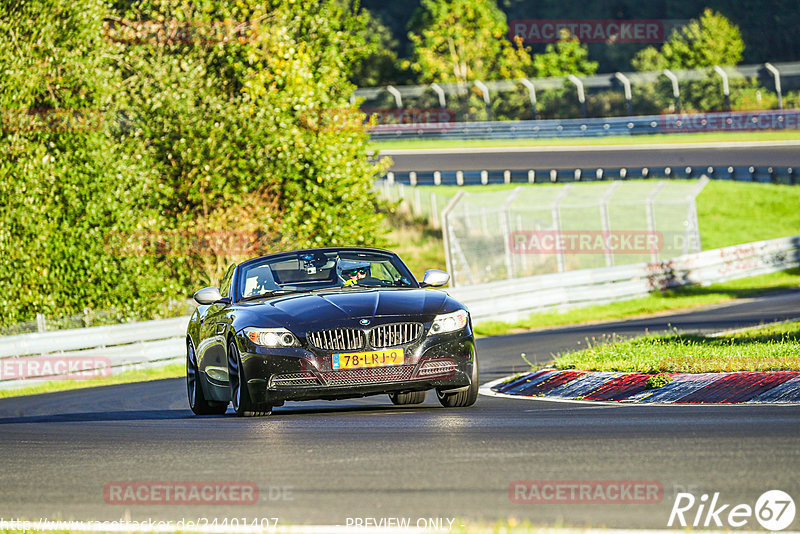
(711,137)
(684,298)
(767,348)
(173,370)
(420,246)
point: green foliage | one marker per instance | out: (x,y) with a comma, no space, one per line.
(208,131)
(464,40)
(380,64)
(567,56)
(657,381)
(68,178)
(710,40)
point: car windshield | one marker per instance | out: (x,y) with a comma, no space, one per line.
(321,270)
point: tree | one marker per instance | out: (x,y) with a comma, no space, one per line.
(69,178)
(567,56)
(464,40)
(710,40)
(380,65)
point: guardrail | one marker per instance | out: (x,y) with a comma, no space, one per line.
(27,359)
(510,300)
(594,127)
(111,349)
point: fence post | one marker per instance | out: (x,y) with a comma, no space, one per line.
(532,95)
(505,213)
(777,75)
(676,90)
(41,323)
(581,95)
(726,89)
(560,258)
(651,215)
(487,102)
(440,92)
(606,221)
(398,98)
(626,83)
(434,216)
(446,237)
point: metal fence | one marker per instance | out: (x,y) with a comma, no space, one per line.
(154,343)
(593,127)
(27,359)
(510,300)
(457,101)
(526,231)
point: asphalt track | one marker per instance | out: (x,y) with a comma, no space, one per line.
(766,153)
(325,462)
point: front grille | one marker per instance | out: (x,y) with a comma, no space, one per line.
(392,335)
(337,339)
(352,377)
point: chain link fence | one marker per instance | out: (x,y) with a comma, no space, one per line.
(528,231)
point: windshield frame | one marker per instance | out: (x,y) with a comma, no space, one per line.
(240,278)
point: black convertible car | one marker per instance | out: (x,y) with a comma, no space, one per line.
(327,323)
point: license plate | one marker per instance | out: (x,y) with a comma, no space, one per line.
(376,358)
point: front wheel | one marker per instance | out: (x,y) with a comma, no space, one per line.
(413,397)
(197,400)
(466,397)
(240,395)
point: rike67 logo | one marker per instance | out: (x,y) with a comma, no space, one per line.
(774,510)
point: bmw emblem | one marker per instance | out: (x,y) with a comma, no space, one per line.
(364,322)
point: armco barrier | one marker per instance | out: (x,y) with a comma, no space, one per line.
(739,121)
(155,343)
(118,347)
(514,299)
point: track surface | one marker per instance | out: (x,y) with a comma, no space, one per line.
(367,458)
(777,154)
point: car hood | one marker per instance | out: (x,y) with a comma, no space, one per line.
(307,311)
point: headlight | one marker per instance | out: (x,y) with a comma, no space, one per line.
(449,322)
(271,337)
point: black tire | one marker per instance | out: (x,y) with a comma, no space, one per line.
(194,389)
(464,398)
(412,397)
(240,396)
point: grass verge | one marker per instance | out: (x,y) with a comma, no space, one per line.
(766,348)
(711,137)
(680,299)
(172,370)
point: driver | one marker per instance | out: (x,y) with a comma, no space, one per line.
(352,271)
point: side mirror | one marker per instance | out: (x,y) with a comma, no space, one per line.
(435,278)
(208,295)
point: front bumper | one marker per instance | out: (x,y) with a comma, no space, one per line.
(276,375)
